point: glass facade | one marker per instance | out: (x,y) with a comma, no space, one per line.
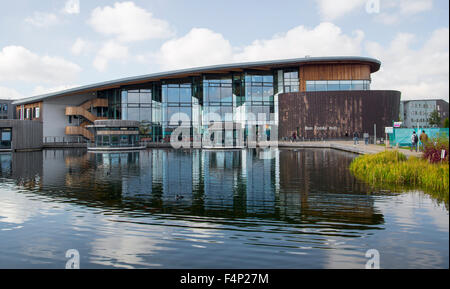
(199,101)
(112,139)
(337,85)
(196,102)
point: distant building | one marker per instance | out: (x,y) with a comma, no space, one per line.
(7,109)
(417,112)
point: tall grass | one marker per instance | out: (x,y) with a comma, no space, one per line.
(393,168)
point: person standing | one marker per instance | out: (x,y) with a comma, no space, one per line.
(366,138)
(423,139)
(294,136)
(414,140)
(355,138)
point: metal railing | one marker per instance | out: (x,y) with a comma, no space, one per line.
(65,140)
(319,139)
(119,145)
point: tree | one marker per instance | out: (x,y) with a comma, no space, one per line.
(446,123)
(435,119)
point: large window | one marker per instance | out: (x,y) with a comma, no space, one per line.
(336,85)
(218,97)
(137,105)
(176,100)
(218,91)
(291,81)
(259,89)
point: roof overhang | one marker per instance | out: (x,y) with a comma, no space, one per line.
(219,69)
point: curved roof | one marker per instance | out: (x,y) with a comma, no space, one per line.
(223,68)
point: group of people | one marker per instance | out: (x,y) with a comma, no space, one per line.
(415,140)
(356,138)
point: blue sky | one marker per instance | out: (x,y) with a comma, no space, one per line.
(52,45)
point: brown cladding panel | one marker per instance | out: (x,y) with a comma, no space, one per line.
(336,114)
(333,72)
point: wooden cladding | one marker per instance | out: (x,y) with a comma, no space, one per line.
(336,114)
(78,130)
(31,111)
(82,110)
(333,72)
(96,102)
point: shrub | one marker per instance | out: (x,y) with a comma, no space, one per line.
(433,149)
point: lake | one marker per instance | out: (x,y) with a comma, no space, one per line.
(184,209)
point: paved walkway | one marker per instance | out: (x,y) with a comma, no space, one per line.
(346,146)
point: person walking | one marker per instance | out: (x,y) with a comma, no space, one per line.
(355,138)
(423,139)
(414,140)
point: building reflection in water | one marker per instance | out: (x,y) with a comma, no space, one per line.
(295,186)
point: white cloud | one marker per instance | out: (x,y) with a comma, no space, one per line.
(128,22)
(398,10)
(326,39)
(9,93)
(72,7)
(204,47)
(417,73)
(20,64)
(80,46)
(197,48)
(46,19)
(410,7)
(333,9)
(111,50)
(40,90)
(41,19)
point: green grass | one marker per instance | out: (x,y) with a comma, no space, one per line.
(392,168)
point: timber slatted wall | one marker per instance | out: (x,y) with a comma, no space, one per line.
(333,72)
(26,134)
(336,114)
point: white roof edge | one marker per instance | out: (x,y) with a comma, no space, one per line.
(193,70)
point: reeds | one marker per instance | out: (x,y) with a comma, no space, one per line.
(393,168)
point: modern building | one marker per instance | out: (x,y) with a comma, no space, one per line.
(416,113)
(313,97)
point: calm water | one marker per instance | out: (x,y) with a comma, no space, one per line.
(301,209)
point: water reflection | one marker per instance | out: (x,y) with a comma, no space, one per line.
(295,186)
(206,209)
